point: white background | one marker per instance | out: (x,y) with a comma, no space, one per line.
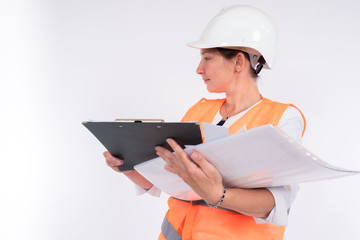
(62,62)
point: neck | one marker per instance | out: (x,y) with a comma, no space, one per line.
(240,98)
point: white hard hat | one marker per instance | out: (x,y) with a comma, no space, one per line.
(243,28)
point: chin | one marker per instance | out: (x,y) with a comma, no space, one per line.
(213,90)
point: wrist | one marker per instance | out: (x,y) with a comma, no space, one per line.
(221,199)
(128,172)
(138,179)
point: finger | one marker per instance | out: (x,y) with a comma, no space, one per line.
(111,160)
(173,164)
(165,154)
(176,147)
(182,155)
(169,168)
(204,164)
(114,162)
(162,150)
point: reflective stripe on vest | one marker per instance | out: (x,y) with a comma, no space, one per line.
(168,231)
(198,222)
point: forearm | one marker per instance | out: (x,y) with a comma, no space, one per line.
(251,202)
(138,179)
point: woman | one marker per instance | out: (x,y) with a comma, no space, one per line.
(235,46)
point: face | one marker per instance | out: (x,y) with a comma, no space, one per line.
(217,72)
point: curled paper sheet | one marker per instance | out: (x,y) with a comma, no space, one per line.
(259,157)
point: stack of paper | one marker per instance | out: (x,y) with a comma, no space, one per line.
(260,157)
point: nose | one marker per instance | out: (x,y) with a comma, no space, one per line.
(200,69)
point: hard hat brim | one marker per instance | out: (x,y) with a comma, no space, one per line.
(202,45)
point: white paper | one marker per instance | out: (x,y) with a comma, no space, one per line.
(259,157)
(212,132)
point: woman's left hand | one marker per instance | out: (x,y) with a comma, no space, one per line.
(195,170)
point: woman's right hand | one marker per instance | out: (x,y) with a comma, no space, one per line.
(133,175)
(114,162)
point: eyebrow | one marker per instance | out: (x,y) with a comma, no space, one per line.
(206,50)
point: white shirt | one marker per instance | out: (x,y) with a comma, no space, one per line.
(292,123)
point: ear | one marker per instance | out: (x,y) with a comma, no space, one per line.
(240,62)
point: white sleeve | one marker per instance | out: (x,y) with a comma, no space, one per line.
(293,124)
(284,196)
(153,191)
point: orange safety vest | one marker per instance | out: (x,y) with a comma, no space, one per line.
(192,221)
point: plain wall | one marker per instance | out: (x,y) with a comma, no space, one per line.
(63,62)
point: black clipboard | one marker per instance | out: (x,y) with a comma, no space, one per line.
(135,141)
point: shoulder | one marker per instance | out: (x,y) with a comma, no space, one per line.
(204,102)
(211,101)
(202,107)
(267,101)
(288,108)
(290,114)
(293,119)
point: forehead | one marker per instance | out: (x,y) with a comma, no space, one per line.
(208,50)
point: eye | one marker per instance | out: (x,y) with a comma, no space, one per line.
(207,59)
